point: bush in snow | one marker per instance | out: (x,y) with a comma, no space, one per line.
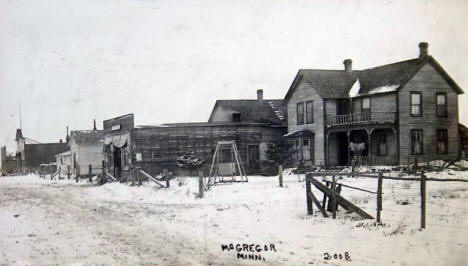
(190,161)
(279,151)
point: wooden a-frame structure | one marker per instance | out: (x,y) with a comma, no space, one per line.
(234,168)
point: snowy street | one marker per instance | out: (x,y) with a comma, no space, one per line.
(61,222)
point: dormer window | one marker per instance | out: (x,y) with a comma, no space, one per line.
(236,117)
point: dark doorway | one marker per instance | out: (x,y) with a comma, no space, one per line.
(117,162)
(342,148)
(342,106)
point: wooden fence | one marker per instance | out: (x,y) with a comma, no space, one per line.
(332,191)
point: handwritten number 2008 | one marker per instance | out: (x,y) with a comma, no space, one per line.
(327,256)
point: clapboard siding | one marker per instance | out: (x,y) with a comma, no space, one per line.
(385,102)
(90,155)
(429,82)
(85,154)
(305,92)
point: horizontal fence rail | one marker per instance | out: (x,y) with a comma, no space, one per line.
(374,160)
(364,117)
(355,174)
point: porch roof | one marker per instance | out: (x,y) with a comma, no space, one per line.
(299,133)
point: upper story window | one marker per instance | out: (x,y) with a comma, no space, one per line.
(442,141)
(416,104)
(365,104)
(300,113)
(309,112)
(441,105)
(416,142)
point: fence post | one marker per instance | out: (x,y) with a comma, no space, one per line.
(200,184)
(103,174)
(90,173)
(338,191)
(310,209)
(138,176)
(77,173)
(168,177)
(423,200)
(334,197)
(68,171)
(132,176)
(324,201)
(379,197)
(280,174)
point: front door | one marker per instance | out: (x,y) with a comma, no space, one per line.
(254,157)
(308,149)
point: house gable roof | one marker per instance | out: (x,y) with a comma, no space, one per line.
(256,111)
(338,83)
(84,137)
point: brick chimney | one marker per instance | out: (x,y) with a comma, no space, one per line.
(423,49)
(348,65)
(260,95)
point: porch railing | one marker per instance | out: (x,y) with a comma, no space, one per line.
(364,117)
(374,160)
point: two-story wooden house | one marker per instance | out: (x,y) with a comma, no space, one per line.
(391,114)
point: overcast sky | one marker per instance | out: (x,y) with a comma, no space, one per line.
(67,62)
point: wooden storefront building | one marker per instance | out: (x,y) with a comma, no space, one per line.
(252,124)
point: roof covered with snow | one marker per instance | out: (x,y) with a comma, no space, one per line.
(255,111)
(64,154)
(382,79)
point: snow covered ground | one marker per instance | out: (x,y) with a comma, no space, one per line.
(63,222)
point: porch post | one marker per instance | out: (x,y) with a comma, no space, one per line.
(369,150)
(395,159)
(325,149)
(370,141)
(348,134)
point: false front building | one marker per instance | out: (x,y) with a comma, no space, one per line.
(252,124)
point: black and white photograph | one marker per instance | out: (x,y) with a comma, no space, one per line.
(233,132)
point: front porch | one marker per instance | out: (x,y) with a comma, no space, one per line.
(364,146)
(302,144)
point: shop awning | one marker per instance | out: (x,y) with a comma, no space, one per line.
(118,141)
